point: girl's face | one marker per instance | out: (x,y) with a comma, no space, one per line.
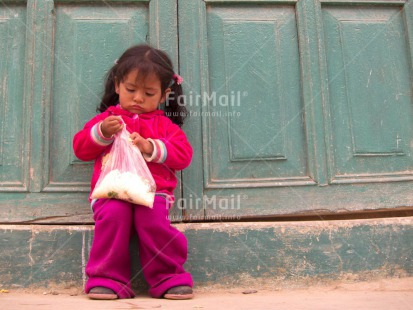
(140,95)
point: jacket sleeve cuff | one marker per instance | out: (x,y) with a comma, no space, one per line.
(98,137)
(159,152)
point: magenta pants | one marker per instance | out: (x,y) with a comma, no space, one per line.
(162,248)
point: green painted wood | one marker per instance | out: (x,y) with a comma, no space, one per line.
(55,57)
(163,34)
(254,106)
(46,207)
(192,40)
(88,39)
(13,117)
(243,254)
(39,42)
(314,86)
(305,134)
(233,204)
(163,30)
(371,99)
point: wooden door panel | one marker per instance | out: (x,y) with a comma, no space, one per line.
(254,109)
(371,102)
(13,123)
(88,40)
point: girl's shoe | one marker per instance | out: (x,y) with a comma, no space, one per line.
(179,293)
(103,293)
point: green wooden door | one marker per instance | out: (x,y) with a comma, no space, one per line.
(13,146)
(54,55)
(297,106)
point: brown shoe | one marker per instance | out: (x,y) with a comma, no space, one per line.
(102,293)
(179,293)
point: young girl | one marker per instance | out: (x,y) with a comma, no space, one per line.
(136,85)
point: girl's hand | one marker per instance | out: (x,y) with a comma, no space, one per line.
(144,145)
(111,125)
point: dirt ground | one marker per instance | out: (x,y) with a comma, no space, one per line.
(385,294)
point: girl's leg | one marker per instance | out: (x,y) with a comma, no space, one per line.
(162,248)
(109,259)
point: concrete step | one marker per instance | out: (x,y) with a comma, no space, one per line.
(266,254)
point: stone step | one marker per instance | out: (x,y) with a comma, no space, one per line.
(272,255)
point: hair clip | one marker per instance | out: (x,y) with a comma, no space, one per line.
(178,79)
(116,61)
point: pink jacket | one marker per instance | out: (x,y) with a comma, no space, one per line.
(172,150)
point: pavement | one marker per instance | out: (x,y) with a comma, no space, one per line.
(393,294)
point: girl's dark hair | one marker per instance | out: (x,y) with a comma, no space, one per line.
(147,60)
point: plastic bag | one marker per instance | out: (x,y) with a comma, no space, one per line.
(125,174)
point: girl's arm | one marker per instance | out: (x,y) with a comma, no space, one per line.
(89,142)
(174,150)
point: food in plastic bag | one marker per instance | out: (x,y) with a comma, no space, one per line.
(125,174)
